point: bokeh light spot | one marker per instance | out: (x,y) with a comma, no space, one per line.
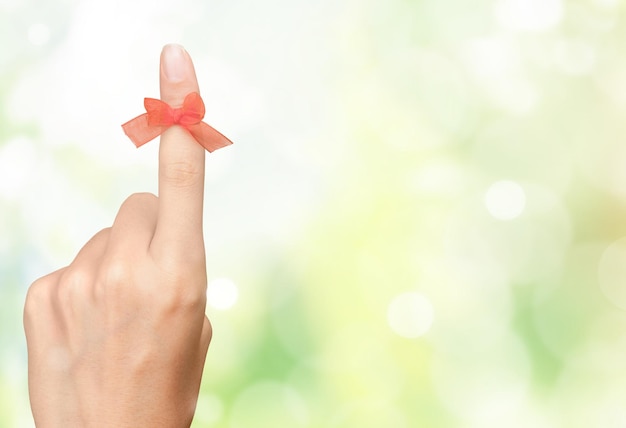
(505,200)
(38,34)
(222,293)
(17,162)
(410,314)
(529,15)
(269,404)
(492,57)
(612,273)
(575,57)
(369,414)
(484,383)
(608,4)
(209,409)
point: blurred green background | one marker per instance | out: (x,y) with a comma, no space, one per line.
(420,223)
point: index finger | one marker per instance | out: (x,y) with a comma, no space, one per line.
(181,166)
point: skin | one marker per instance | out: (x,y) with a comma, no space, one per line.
(119,337)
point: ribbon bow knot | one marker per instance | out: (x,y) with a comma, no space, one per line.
(159,116)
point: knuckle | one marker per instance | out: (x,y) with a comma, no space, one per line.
(187,297)
(183,303)
(102,233)
(37,297)
(140,198)
(75,277)
(114,281)
(185,290)
(116,273)
(180,174)
(73,284)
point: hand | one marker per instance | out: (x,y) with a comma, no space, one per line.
(119,337)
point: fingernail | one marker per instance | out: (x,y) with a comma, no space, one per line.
(174,62)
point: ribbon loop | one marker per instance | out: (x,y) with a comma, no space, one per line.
(159,116)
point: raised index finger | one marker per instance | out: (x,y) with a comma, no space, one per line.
(181,166)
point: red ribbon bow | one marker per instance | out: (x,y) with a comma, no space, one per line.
(161,116)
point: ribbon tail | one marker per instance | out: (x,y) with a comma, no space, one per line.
(208,137)
(140,132)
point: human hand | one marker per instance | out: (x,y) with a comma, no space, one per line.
(119,337)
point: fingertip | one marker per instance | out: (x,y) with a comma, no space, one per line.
(178,76)
(174,59)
